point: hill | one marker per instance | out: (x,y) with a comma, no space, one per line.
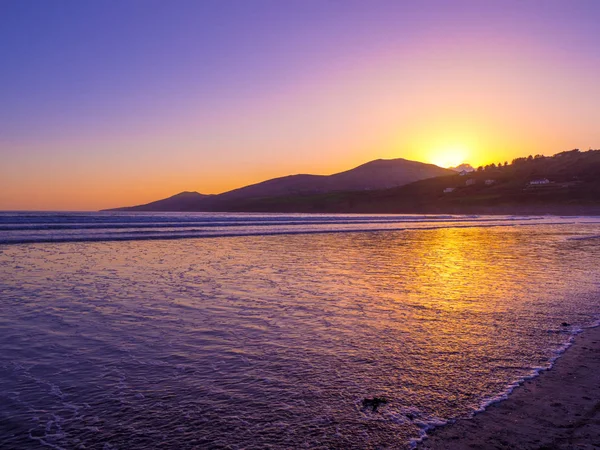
(568,183)
(464,166)
(184,201)
(374,175)
(378,174)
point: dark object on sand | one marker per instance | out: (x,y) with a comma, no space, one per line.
(373,403)
(566,324)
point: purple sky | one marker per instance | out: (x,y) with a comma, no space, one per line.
(105,103)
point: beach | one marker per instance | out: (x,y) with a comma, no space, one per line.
(559,409)
(196,330)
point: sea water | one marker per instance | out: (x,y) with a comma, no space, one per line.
(184,331)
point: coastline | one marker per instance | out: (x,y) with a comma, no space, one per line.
(558,409)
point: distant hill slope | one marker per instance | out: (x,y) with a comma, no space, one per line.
(378,174)
(184,201)
(374,175)
(464,166)
(573,187)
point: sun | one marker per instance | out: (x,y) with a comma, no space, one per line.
(451,156)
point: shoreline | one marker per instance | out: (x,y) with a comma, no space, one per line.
(557,409)
(572,211)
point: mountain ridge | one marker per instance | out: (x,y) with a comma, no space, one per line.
(177,202)
(566,183)
(372,175)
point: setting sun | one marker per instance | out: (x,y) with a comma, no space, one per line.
(450,156)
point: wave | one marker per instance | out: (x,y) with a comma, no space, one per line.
(236,223)
(203,234)
(583,238)
(30,228)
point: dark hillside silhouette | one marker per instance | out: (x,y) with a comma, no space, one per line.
(571,185)
(374,175)
(566,183)
(184,201)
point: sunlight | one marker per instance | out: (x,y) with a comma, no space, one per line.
(449,156)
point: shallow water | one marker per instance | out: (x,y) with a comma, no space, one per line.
(35,227)
(273,341)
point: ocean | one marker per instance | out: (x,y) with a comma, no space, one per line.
(267,331)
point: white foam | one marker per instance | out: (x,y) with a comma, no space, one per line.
(583,238)
(125,227)
(504,395)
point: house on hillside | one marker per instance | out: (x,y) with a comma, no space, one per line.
(539,181)
(462,173)
(448,190)
(489,182)
(470,182)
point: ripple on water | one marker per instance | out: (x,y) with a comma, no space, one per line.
(274,341)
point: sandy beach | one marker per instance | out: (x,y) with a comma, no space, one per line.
(560,409)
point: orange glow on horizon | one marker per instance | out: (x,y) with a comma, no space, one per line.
(450,156)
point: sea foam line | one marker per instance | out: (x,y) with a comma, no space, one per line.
(505,394)
(241,223)
(583,238)
(194,235)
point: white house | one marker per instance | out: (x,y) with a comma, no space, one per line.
(470,182)
(489,182)
(539,181)
(448,190)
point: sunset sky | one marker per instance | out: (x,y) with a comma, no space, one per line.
(114,103)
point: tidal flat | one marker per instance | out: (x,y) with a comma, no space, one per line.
(276,340)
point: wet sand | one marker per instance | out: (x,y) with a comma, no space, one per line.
(560,409)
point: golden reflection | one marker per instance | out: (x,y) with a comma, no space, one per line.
(435,319)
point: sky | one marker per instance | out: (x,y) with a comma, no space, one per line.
(113,103)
